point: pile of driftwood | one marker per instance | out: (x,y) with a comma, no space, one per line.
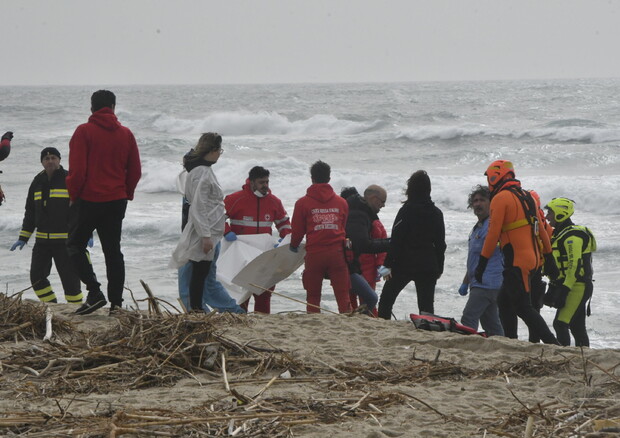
(156,349)
(21,320)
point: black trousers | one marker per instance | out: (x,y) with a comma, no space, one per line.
(41,266)
(107,219)
(577,324)
(537,292)
(514,301)
(200,271)
(424,286)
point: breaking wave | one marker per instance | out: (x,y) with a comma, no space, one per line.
(262,123)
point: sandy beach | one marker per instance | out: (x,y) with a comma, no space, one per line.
(141,374)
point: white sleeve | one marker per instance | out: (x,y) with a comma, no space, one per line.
(201,203)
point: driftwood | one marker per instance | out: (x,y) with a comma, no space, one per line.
(157,349)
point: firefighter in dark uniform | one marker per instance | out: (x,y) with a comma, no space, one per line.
(47,211)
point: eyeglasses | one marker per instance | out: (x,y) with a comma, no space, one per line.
(221,151)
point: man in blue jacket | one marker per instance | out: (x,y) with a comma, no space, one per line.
(482,304)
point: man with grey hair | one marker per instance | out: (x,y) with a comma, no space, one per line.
(362,214)
(482,303)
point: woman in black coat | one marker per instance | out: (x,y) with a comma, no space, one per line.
(417,249)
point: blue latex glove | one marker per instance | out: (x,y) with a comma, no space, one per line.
(377,275)
(293,248)
(464,289)
(278,244)
(19,244)
(230,236)
(91,242)
(383,271)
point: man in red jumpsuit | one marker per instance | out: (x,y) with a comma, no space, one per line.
(252,210)
(321,216)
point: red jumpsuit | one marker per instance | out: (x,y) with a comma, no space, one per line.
(321,216)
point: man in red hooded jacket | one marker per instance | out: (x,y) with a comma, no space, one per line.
(253,210)
(321,216)
(104,170)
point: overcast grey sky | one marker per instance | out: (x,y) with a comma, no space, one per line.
(71,42)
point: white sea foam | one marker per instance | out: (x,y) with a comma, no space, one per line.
(238,123)
(429,132)
(580,134)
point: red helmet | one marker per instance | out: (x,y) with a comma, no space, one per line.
(498,171)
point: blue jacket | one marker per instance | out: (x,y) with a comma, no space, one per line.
(492,278)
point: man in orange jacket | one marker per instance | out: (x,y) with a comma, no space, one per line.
(513,221)
(253,210)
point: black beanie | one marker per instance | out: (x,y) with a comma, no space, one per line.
(49,151)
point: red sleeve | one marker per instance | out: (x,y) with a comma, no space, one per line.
(298,224)
(78,155)
(544,235)
(378,232)
(134,168)
(282,222)
(5,148)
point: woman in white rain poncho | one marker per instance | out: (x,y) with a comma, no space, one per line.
(205,226)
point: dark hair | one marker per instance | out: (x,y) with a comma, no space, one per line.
(102,99)
(346,192)
(257,172)
(320,172)
(418,185)
(478,190)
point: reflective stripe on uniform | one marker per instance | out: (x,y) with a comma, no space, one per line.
(37,196)
(46,294)
(74,298)
(24,233)
(59,193)
(40,235)
(245,223)
(284,219)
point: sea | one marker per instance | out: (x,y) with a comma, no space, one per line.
(563,137)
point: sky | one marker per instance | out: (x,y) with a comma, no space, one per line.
(84,42)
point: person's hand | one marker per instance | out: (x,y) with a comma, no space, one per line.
(19,244)
(7,136)
(464,289)
(230,236)
(207,245)
(294,249)
(377,275)
(91,242)
(482,266)
(550,268)
(385,272)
